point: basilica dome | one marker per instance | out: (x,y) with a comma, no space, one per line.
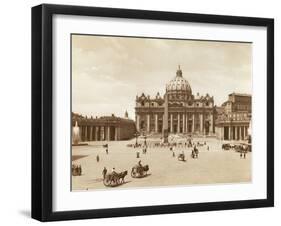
(179,84)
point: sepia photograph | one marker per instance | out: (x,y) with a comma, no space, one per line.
(158,112)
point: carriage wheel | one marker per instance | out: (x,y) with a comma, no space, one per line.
(133,173)
(106,182)
(113,183)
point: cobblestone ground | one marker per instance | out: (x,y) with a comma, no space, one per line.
(213,166)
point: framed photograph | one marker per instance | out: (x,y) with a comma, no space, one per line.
(145,112)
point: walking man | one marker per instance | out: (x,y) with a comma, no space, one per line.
(104,172)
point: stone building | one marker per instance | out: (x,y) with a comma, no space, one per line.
(233,120)
(186,113)
(107,128)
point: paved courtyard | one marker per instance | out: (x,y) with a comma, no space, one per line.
(213,166)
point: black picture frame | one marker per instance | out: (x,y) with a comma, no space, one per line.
(42,107)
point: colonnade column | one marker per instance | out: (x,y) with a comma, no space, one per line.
(229,133)
(86,133)
(116,133)
(80,133)
(91,133)
(148,123)
(96,133)
(156,123)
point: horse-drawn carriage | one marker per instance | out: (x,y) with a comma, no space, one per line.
(114,179)
(139,171)
(76,170)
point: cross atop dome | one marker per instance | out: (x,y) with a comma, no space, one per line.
(179,72)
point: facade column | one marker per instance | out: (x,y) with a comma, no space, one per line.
(222,133)
(96,132)
(163,123)
(193,122)
(211,130)
(138,122)
(201,123)
(186,122)
(108,133)
(246,131)
(156,123)
(148,123)
(86,133)
(229,133)
(103,133)
(171,123)
(179,122)
(240,133)
(183,123)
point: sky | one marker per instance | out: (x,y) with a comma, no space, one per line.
(108,72)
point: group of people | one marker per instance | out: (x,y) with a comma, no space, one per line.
(194,152)
(243,153)
(76,170)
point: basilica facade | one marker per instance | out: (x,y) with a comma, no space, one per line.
(178,111)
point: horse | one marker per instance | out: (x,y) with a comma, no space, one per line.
(111,177)
(122,176)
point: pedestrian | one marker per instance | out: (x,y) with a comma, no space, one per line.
(241,154)
(113,172)
(98,158)
(208,148)
(138,154)
(244,154)
(173,154)
(106,150)
(104,172)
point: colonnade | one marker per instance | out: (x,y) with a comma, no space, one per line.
(99,133)
(234,132)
